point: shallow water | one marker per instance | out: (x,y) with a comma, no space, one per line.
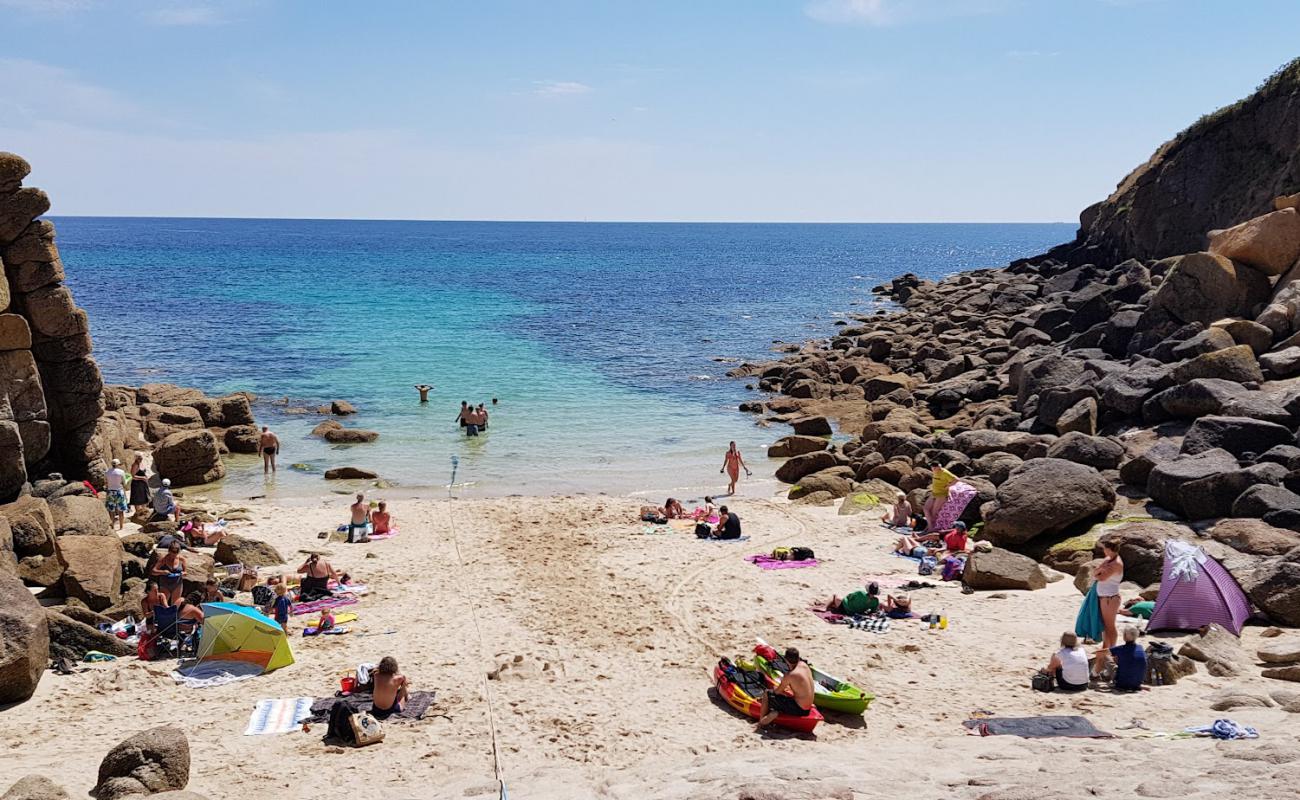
(601,341)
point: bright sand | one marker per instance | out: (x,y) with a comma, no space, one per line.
(603,640)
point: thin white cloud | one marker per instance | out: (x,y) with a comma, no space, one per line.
(885,13)
(560,88)
(36,91)
(184,16)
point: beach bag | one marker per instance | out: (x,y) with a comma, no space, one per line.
(263,595)
(801,554)
(366,729)
(783,554)
(340,723)
(1043,682)
(953,568)
(702,531)
(927,565)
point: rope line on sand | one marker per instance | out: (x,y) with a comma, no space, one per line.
(675,594)
(482,643)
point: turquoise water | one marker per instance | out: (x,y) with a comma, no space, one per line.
(601,341)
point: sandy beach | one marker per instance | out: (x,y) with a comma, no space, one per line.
(599,641)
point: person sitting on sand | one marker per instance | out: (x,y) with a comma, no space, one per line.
(316,573)
(192,608)
(326,621)
(1069,665)
(212,592)
(899,515)
(391,689)
(164,504)
(1137,607)
(359,521)
(728,524)
(673,509)
(380,519)
(153,597)
(898,606)
(793,696)
(1130,662)
(423,389)
(169,571)
(856,603)
(199,536)
(953,541)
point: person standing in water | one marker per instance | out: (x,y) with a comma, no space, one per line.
(423,389)
(268,444)
(732,464)
(482,417)
(462,418)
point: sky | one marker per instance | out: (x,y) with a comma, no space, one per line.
(709,110)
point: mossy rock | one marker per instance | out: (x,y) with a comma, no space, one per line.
(859,502)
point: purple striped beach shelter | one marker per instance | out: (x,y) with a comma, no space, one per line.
(1196,590)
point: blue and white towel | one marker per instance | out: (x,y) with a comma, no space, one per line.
(278,715)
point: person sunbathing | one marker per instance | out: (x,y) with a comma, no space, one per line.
(316,573)
(656,514)
(952,541)
(673,509)
(1137,607)
(900,515)
(381,519)
(898,606)
(391,689)
(856,603)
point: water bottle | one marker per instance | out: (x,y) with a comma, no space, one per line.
(934,622)
(943,620)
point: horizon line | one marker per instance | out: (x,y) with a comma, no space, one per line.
(567,221)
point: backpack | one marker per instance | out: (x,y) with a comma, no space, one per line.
(953,568)
(340,724)
(702,531)
(928,563)
(1043,682)
(801,554)
(783,554)
(263,595)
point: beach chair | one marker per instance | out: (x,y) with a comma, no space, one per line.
(165,618)
(187,638)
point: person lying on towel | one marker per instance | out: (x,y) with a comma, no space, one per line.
(856,603)
(953,541)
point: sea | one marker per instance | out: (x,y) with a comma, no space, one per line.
(601,349)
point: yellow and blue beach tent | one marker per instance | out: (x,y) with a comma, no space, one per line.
(241,634)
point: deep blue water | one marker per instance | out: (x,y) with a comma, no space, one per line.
(599,339)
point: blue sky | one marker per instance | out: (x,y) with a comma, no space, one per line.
(798,110)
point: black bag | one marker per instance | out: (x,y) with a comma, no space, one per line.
(1043,682)
(801,554)
(263,595)
(340,726)
(702,531)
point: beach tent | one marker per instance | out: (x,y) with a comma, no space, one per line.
(239,635)
(1196,590)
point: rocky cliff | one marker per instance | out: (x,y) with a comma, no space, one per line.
(50,388)
(1225,168)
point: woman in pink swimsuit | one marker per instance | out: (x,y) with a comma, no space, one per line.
(732,464)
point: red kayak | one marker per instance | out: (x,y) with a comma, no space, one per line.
(740,687)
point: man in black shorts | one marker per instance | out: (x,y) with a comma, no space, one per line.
(728,524)
(793,696)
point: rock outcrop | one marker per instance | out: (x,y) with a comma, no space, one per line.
(150,762)
(24,641)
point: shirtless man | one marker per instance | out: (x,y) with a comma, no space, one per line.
(267,446)
(793,696)
(423,389)
(360,519)
(391,688)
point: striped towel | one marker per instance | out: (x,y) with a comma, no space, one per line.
(280,715)
(316,606)
(871,624)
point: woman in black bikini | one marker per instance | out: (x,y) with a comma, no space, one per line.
(316,573)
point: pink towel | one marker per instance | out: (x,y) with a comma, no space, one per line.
(828,616)
(767,562)
(321,605)
(390,534)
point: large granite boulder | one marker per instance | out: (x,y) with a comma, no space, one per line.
(1002,569)
(1094,451)
(1274,587)
(72,639)
(93,573)
(831,481)
(1221,652)
(189,458)
(168,394)
(1255,537)
(24,641)
(1204,287)
(225,412)
(1265,501)
(242,439)
(34,787)
(236,549)
(1045,495)
(32,528)
(1203,396)
(150,762)
(806,426)
(80,515)
(1270,243)
(8,561)
(808,463)
(1167,479)
(1236,364)
(349,436)
(788,446)
(1237,435)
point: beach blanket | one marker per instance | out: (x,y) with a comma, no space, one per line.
(316,606)
(279,715)
(338,630)
(828,616)
(390,534)
(764,561)
(348,588)
(1037,727)
(913,559)
(960,494)
(870,624)
(212,672)
(417,705)
(1088,624)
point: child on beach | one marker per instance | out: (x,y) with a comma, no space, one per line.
(391,688)
(280,607)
